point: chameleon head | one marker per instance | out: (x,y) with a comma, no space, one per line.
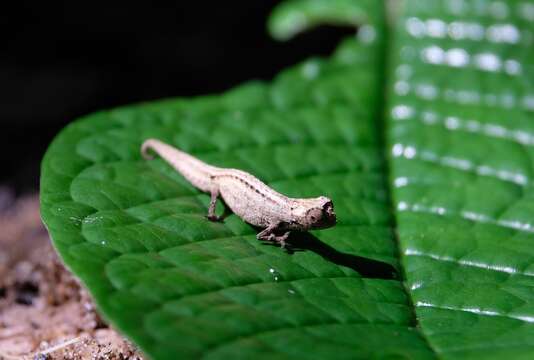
(317,213)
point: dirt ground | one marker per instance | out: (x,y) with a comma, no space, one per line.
(44,313)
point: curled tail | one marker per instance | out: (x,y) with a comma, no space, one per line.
(169,153)
(148,145)
(195,171)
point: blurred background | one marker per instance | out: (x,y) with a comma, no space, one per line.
(61,60)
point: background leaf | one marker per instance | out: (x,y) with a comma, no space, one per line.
(460,136)
(458,143)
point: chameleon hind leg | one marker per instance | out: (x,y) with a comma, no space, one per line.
(211,210)
(269,234)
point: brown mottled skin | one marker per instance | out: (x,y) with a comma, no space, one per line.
(248,197)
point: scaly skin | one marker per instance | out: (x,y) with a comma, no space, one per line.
(248,197)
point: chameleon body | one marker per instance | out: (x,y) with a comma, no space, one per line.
(248,197)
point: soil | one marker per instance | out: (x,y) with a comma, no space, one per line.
(44,311)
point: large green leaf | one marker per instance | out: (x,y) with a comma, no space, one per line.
(461,135)
(458,148)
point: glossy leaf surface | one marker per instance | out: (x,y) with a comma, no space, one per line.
(460,147)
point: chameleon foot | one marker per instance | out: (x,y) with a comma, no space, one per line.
(214,218)
(278,239)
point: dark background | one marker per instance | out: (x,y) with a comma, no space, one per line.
(60,60)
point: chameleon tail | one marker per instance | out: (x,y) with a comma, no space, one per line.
(147,145)
(194,170)
(166,151)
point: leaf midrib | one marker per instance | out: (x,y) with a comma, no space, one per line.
(388,30)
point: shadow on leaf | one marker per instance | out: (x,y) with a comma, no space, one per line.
(367,268)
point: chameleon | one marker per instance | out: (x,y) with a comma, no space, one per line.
(247,196)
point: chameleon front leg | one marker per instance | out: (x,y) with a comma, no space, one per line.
(269,234)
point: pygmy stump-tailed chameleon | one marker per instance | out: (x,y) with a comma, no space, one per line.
(247,196)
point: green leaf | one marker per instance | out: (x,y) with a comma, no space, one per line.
(439,189)
(460,148)
(293,17)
